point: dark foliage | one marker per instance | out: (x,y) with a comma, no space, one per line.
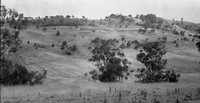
(141,30)
(182,33)
(164,39)
(74,48)
(67,49)
(58,33)
(198,30)
(198,45)
(128,44)
(151,21)
(119,16)
(52,45)
(123,38)
(59,20)
(64,43)
(151,57)
(44,29)
(15,74)
(110,61)
(175,32)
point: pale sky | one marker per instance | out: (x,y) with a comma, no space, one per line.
(189,10)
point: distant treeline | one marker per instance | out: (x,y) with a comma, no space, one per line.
(58,20)
(148,21)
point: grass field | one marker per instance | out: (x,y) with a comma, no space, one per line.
(65,82)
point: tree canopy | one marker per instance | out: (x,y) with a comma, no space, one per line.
(14,74)
(151,57)
(110,61)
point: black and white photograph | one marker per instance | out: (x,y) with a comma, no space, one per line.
(100,51)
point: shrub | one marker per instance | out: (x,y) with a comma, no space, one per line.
(122,46)
(164,39)
(52,45)
(74,48)
(38,45)
(69,50)
(94,75)
(177,45)
(182,33)
(175,32)
(58,33)
(89,48)
(128,44)
(37,26)
(151,57)
(66,51)
(44,29)
(137,47)
(198,45)
(137,44)
(64,43)
(198,30)
(13,50)
(142,31)
(123,38)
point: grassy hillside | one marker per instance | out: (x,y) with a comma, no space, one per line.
(65,80)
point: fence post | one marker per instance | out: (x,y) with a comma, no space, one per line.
(110,89)
(120,96)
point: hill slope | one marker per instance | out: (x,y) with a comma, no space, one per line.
(66,73)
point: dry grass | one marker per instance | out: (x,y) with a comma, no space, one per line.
(65,82)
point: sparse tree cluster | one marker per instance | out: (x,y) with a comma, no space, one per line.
(67,49)
(151,21)
(122,18)
(60,20)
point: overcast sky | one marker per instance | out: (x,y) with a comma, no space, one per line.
(96,9)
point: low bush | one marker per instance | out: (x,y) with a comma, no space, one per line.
(67,49)
(128,44)
(44,29)
(175,32)
(198,45)
(182,33)
(52,45)
(74,48)
(58,33)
